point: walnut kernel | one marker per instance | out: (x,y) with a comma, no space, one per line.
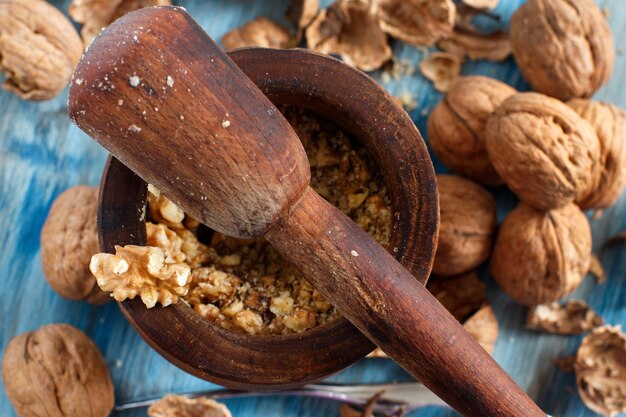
(540,257)
(456,127)
(564,48)
(546,153)
(181,406)
(39,48)
(468,224)
(68,240)
(572,317)
(56,371)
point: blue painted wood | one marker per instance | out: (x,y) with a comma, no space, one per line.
(42,154)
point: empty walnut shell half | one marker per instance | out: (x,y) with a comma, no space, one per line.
(601,371)
(56,371)
(467,226)
(609,122)
(540,257)
(39,48)
(68,240)
(545,152)
(564,48)
(456,127)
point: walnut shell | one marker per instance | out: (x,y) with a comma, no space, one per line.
(260,31)
(483,327)
(609,122)
(468,224)
(56,371)
(564,48)
(542,149)
(68,240)
(456,127)
(39,48)
(180,406)
(540,257)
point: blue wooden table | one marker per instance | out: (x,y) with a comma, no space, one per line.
(42,154)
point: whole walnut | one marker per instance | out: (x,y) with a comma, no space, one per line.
(456,127)
(468,224)
(56,371)
(540,257)
(68,240)
(545,152)
(609,122)
(564,48)
(39,48)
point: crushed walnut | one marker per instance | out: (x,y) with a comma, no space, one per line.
(571,317)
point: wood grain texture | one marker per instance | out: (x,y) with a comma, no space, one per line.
(41,154)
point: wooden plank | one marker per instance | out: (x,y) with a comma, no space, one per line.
(41,154)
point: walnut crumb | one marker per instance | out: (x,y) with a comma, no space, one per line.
(134,81)
(225,124)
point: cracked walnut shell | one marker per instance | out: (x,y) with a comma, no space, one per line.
(540,257)
(468,224)
(609,122)
(181,406)
(68,240)
(572,317)
(456,127)
(56,371)
(564,48)
(601,371)
(143,271)
(545,152)
(39,48)
(261,32)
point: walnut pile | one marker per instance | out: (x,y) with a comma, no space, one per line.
(601,371)
(261,32)
(56,371)
(572,317)
(39,48)
(540,257)
(181,406)
(68,240)
(141,270)
(467,225)
(564,48)
(609,123)
(543,150)
(456,127)
(95,15)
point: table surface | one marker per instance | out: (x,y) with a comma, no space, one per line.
(42,154)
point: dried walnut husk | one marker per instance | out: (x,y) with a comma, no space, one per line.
(572,317)
(261,32)
(546,153)
(540,257)
(564,48)
(347,28)
(417,22)
(601,371)
(181,406)
(456,127)
(39,48)
(95,15)
(68,240)
(468,224)
(609,123)
(442,68)
(56,371)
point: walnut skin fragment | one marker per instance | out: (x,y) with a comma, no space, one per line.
(456,127)
(417,22)
(540,257)
(56,371)
(95,15)
(348,29)
(442,68)
(543,150)
(69,238)
(572,317)
(609,123)
(261,32)
(39,48)
(468,224)
(564,48)
(601,371)
(181,406)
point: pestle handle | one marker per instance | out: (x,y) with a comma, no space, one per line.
(162,97)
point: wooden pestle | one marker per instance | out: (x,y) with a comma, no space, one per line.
(161,96)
